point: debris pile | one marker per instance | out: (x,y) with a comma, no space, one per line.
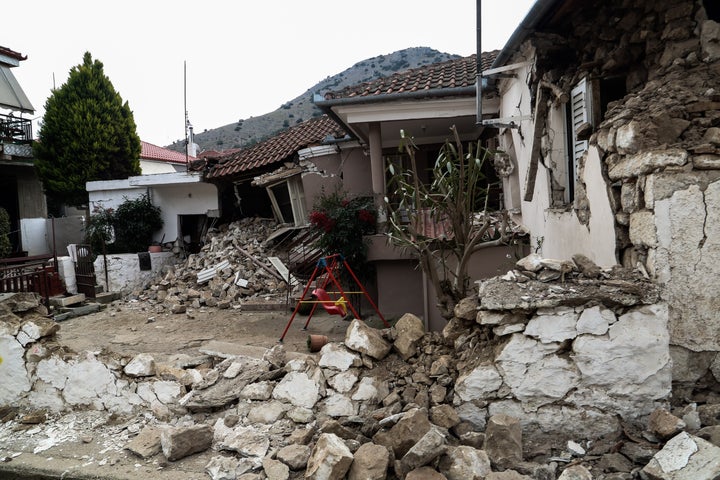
(232,267)
(538,385)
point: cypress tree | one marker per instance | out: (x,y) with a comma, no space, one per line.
(88,133)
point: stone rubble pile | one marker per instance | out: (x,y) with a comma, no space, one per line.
(519,385)
(232,266)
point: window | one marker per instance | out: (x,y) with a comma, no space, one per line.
(288,201)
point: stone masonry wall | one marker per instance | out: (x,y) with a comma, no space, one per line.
(660,145)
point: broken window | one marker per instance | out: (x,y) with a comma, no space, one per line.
(288,201)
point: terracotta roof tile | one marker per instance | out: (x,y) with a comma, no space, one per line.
(460,72)
(153,152)
(278,148)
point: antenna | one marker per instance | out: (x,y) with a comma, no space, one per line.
(187,159)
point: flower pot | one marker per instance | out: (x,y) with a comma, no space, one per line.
(316,342)
(155,248)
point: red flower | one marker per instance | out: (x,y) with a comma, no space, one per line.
(366,216)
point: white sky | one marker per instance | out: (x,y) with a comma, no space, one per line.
(243,58)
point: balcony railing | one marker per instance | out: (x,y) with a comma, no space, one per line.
(15,130)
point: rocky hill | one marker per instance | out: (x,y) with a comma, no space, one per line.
(251,130)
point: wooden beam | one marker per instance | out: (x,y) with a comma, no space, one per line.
(540,121)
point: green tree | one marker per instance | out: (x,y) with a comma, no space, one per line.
(5,246)
(87,134)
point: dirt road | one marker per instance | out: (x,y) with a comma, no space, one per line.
(130,328)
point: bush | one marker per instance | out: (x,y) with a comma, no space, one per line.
(5,246)
(127,229)
(342,222)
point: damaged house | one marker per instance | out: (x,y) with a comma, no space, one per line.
(609,124)
(350,148)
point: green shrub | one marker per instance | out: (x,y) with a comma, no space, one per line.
(127,229)
(5,246)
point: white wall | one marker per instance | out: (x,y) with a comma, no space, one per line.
(149,167)
(179,198)
(558,229)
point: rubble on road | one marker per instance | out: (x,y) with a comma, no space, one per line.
(536,384)
(232,269)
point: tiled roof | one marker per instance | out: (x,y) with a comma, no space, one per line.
(153,152)
(12,54)
(277,148)
(461,72)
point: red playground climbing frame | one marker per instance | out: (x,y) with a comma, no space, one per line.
(330,266)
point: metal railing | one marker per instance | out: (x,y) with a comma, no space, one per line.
(15,130)
(27,274)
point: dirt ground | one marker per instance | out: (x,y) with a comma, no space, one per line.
(129,328)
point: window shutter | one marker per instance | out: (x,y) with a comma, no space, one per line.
(580,105)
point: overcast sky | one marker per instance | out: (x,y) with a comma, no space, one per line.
(242,58)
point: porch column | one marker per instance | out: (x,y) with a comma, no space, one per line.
(377,169)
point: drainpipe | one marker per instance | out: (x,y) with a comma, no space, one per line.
(478,75)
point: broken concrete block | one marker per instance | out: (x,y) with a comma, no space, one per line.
(12,370)
(180,442)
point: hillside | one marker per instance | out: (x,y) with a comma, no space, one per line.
(254,129)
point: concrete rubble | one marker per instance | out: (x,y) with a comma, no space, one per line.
(536,378)
(231,269)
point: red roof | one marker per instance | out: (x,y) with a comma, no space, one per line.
(278,148)
(461,72)
(153,152)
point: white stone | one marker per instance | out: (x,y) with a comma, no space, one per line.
(343,382)
(298,389)
(503,330)
(540,382)
(478,383)
(145,391)
(45,396)
(555,327)
(595,321)
(233,370)
(168,392)
(371,389)
(87,381)
(15,380)
(633,359)
(642,228)
(142,365)
(266,412)
(676,453)
(257,391)
(53,371)
(530,263)
(337,357)
(338,405)
(522,349)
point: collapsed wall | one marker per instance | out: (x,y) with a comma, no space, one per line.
(654,68)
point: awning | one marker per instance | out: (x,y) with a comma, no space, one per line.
(11,95)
